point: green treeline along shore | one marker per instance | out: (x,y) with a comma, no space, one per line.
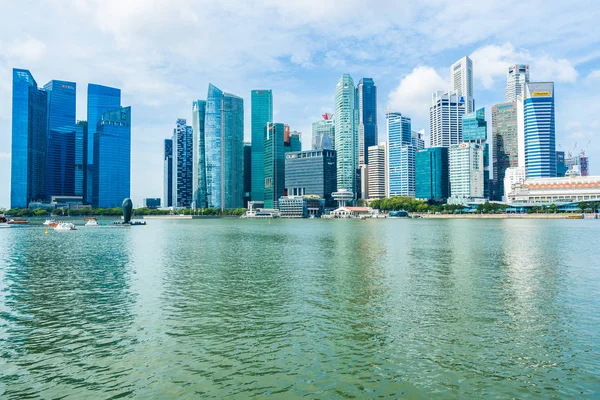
(396,203)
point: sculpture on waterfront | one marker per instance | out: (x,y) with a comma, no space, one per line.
(127,210)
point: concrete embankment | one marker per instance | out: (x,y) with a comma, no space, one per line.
(503,216)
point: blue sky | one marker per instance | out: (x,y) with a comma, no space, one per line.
(163,54)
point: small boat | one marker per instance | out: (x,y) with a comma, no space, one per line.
(575,216)
(65,226)
(18,221)
(50,222)
(91,222)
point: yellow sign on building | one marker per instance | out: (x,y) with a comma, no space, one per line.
(541,94)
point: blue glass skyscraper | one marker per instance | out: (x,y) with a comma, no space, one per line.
(224,149)
(261,113)
(432,174)
(366,96)
(539,130)
(199,151)
(182,164)
(274,163)
(29,140)
(168,173)
(401,155)
(60,161)
(100,100)
(112,158)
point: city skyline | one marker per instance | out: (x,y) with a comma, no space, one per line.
(302,84)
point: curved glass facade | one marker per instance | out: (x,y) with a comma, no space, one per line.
(540,137)
(346,136)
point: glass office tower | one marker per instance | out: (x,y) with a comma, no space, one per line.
(100,100)
(112,159)
(199,161)
(274,163)
(366,96)
(261,103)
(539,135)
(432,174)
(168,173)
(311,172)
(346,135)
(60,157)
(182,164)
(29,140)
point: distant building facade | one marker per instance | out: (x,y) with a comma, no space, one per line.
(445,118)
(261,104)
(377,172)
(168,173)
(366,98)
(466,172)
(182,164)
(274,164)
(505,144)
(539,130)
(312,172)
(432,174)
(152,202)
(346,134)
(516,78)
(323,133)
(400,163)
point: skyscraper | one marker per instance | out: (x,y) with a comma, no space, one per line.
(168,173)
(432,182)
(466,172)
(199,151)
(323,133)
(60,156)
(461,78)
(224,148)
(539,130)
(377,172)
(100,100)
(505,150)
(346,135)
(516,78)
(475,131)
(366,97)
(417,139)
(561,166)
(29,140)
(261,113)
(401,159)
(445,118)
(80,156)
(274,163)
(311,172)
(247,173)
(183,171)
(112,158)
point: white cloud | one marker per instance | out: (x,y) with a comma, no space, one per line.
(27,50)
(548,69)
(412,96)
(594,75)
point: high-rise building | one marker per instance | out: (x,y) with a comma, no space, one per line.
(29,140)
(80,157)
(295,141)
(183,171)
(461,78)
(475,131)
(247,173)
(401,159)
(417,139)
(323,133)
(516,78)
(366,97)
(199,151)
(505,149)
(539,131)
(151,202)
(60,156)
(274,163)
(100,99)
(346,135)
(580,161)
(445,119)
(168,173)
(377,172)
(311,172)
(561,167)
(224,149)
(112,159)
(261,113)
(466,172)
(432,176)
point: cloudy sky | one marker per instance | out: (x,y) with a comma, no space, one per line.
(163,54)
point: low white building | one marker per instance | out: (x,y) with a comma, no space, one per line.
(556,190)
(513,176)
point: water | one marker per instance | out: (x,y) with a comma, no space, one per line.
(312,308)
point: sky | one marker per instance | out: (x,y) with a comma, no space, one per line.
(163,54)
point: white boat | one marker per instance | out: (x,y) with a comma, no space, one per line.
(65,226)
(50,222)
(92,222)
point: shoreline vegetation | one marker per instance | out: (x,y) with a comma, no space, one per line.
(416,208)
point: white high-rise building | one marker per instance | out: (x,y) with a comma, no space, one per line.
(466,172)
(346,134)
(445,118)
(517,77)
(418,140)
(461,79)
(377,171)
